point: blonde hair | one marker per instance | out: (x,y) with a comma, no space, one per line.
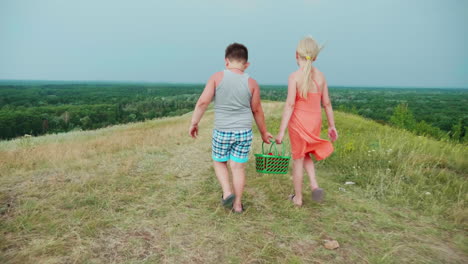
(307,49)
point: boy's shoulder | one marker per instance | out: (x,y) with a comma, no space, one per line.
(217,77)
(253,85)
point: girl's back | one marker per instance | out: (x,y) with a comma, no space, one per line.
(315,88)
(316,77)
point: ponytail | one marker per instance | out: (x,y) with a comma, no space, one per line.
(304,89)
(307,49)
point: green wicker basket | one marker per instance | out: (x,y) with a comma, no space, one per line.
(272,162)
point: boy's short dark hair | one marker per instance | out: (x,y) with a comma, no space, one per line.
(237,51)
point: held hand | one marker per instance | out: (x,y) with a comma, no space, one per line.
(279,138)
(332,134)
(193,130)
(266,137)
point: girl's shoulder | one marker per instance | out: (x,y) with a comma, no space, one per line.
(320,74)
(295,75)
(319,78)
(317,74)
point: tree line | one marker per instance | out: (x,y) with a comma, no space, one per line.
(438,113)
(45,109)
(38,108)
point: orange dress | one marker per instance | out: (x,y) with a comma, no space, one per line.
(304,128)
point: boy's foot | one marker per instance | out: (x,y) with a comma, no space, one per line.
(318,194)
(293,200)
(228,201)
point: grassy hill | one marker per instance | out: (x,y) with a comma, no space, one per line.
(146,193)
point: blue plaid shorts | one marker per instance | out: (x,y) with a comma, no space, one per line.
(231,145)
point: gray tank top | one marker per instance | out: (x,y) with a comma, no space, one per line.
(232,103)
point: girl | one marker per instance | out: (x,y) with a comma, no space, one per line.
(307,88)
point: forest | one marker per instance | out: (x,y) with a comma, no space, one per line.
(37,108)
(441,113)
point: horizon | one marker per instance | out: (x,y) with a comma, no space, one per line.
(12,82)
(373,44)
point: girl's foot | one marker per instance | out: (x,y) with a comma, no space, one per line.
(237,209)
(318,194)
(293,198)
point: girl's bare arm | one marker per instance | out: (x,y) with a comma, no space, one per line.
(326,103)
(288,108)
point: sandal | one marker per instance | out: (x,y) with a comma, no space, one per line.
(318,194)
(228,201)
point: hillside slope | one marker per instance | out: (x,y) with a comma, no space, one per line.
(146,193)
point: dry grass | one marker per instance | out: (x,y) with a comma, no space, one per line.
(146,193)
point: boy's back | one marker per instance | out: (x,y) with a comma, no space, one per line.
(232,102)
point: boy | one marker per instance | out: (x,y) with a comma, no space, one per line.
(236,97)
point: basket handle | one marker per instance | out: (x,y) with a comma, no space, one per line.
(263,147)
(283,151)
(273,143)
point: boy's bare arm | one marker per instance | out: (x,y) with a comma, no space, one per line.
(201,106)
(257,111)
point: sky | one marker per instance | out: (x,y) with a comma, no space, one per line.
(391,43)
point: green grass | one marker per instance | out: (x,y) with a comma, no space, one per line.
(146,193)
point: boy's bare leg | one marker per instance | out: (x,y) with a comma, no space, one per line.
(310,169)
(222,174)
(298,175)
(238,180)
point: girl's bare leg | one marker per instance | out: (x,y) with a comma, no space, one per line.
(298,175)
(317,193)
(310,169)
